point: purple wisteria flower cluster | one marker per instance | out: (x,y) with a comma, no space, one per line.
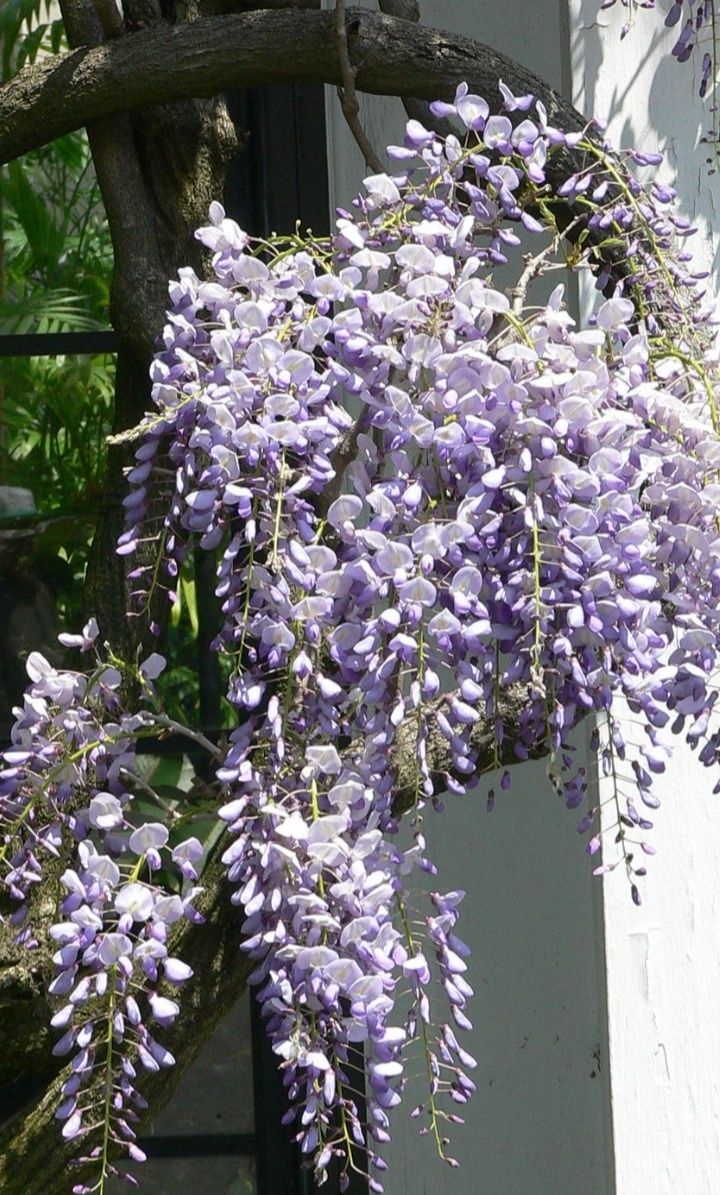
(693,16)
(527,504)
(66,795)
(428,492)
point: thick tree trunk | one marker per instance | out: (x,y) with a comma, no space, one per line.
(158,175)
(179,155)
(106,587)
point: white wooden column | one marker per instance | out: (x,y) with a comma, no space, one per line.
(663,960)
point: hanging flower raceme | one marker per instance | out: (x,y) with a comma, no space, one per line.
(66,792)
(527,504)
(429,492)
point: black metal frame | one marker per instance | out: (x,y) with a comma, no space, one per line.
(57,344)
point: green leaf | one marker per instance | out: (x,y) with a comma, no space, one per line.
(17,20)
(188,590)
(44,238)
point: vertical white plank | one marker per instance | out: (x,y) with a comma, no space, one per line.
(663,960)
(539,1121)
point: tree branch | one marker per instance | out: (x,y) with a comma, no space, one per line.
(110,18)
(513,702)
(208,56)
(409,10)
(348,95)
(218,7)
(139,281)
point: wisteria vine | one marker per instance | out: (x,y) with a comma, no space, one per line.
(428,491)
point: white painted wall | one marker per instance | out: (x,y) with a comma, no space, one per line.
(540,1122)
(663,979)
(663,961)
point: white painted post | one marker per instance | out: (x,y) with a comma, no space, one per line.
(663,960)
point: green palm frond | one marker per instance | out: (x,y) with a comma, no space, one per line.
(59,310)
(20,41)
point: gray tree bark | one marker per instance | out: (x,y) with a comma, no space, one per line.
(157,64)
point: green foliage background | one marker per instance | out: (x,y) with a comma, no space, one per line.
(56,412)
(55,268)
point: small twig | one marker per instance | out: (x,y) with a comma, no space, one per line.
(533,267)
(347,94)
(195,735)
(138,782)
(534,264)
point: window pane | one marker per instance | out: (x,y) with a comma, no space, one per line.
(190,1176)
(216,1092)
